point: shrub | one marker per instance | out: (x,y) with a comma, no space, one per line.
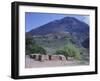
(70,50)
(63,52)
(38,49)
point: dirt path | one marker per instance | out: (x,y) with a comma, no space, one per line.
(31,63)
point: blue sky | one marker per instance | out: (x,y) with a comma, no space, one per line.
(34,20)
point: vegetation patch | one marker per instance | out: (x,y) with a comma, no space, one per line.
(70,50)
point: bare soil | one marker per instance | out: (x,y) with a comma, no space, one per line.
(32,63)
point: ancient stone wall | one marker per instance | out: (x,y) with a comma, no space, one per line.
(40,57)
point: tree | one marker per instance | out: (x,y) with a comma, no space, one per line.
(70,50)
(38,49)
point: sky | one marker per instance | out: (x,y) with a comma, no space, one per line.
(34,20)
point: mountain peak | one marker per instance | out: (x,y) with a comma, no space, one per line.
(66,24)
(69,18)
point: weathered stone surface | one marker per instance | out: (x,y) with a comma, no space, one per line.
(62,57)
(35,56)
(55,57)
(43,57)
(32,55)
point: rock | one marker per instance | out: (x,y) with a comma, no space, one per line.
(37,57)
(34,56)
(55,57)
(43,57)
(62,57)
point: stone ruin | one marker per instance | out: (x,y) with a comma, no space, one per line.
(40,57)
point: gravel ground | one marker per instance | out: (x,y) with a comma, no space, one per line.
(31,63)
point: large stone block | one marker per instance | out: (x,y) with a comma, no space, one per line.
(62,57)
(34,56)
(43,57)
(55,57)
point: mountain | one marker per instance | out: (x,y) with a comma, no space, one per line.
(71,27)
(66,24)
(85,43)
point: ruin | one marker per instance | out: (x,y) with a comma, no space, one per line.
(40,57)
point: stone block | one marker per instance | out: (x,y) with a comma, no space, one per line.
(62,57)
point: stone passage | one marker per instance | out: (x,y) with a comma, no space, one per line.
(41,58)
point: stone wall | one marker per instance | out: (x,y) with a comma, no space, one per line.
(40,57)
